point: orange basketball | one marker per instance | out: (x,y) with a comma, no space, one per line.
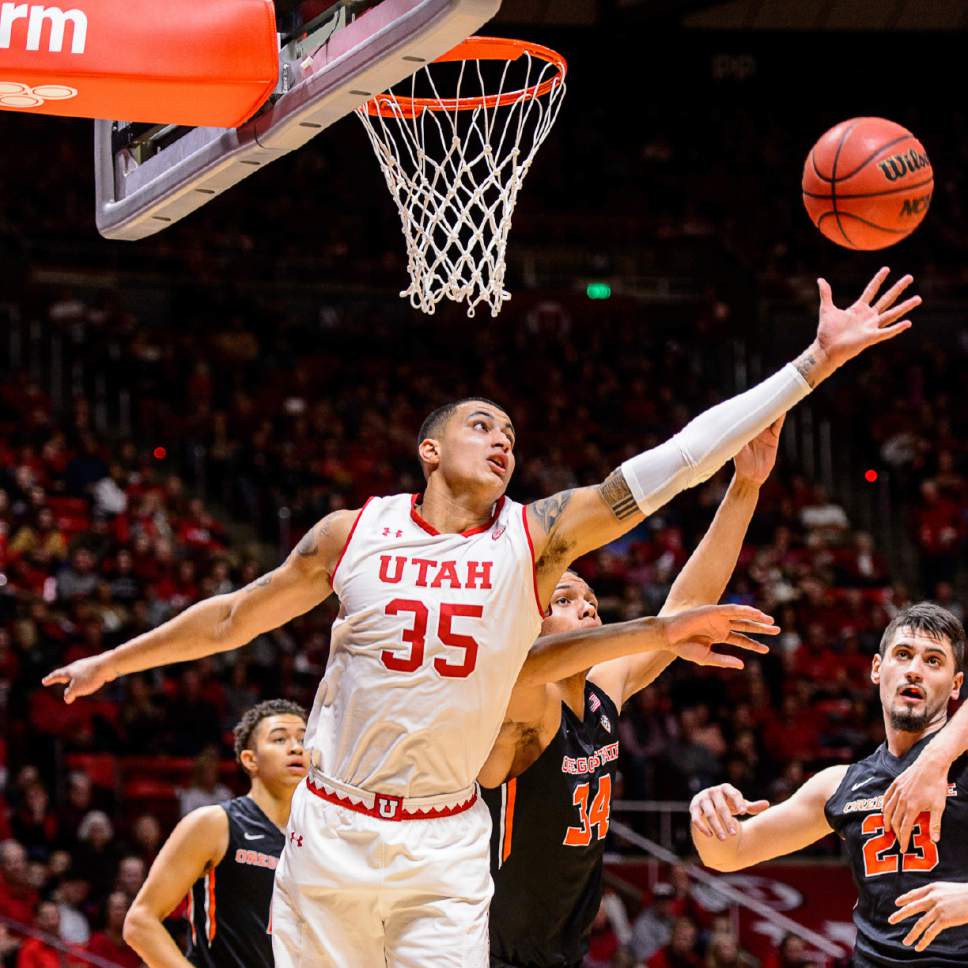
(867,183)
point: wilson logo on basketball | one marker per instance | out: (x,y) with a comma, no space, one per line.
(38,17)
(16,95)
(897,166)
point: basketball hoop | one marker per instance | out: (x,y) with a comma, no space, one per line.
(455,165)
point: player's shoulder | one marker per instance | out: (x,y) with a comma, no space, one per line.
(824,785)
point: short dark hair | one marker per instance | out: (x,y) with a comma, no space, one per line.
(935,622)
(246,726)
(437,418)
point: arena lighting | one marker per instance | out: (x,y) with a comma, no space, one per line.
(598,290)
(870,476)
(160,453)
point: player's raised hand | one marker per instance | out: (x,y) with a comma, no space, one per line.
(921,788)
(843,333)
(693,633)
(82,677)
(754,463)
(713,810)
(941,905)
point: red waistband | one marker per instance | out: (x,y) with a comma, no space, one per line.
(391,808)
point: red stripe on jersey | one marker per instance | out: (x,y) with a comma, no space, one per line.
(509,819)
(211,906)
(534,564)
(349,538)
(430,529)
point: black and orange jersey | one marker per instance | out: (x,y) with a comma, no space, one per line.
(548,837)
(882,873)
(228,906)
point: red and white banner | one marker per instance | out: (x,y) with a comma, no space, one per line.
(180,62)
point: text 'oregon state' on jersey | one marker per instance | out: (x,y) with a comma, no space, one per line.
(883,874)
(549,827)
(228,906)
(432,632)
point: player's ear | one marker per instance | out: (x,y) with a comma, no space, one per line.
(429,453)
(247,759)
(876,670)
(956,685)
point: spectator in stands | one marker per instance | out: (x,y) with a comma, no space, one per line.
(71,894)
(131,875)
(206,788)
(682,950)
(652,929)
(96,853)
(194,721)
(78,579)
(790,953)
(147,838)
(109,943)
(18,898)
(33,823)
(610,932)
(46,952)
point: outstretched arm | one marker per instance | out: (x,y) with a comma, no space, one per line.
(223,622)
(706,574)
(726,845)
(923,786)
(196,845)
(572,523)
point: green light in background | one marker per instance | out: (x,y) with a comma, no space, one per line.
(598,290)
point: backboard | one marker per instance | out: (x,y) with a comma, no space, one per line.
(333,57)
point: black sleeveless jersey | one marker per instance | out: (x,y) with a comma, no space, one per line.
(228,906)
(882,874)
(547,841)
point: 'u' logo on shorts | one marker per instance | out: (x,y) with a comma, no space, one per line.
(388,807)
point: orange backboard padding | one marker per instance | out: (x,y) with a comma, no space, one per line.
(191,62)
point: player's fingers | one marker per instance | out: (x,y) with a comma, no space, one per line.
(885,319)
(935,827)
(724,815)
(921,925)
(744,642)
(754,628)
(757,806)
(719,660)
(712,817)
(917,906)
(698,820)
(871,289)
(890,332)
(904,831)
(733,797)
(915,895)
(52,678)
(826,295)
(777,424)
(890,297)
(934,929)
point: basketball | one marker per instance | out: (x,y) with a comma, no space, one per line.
(867,183)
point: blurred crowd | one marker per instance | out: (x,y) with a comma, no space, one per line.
(256,378)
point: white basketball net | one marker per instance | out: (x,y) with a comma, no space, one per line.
(455,175)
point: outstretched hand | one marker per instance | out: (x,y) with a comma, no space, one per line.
(941,905)
(712,810)
(844,333)
(81,677)
(693,633)
(754,463)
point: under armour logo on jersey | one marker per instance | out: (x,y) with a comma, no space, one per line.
(296,838)
(497,532)
(606,724)
(397,534)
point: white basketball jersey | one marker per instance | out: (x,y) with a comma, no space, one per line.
(432,632)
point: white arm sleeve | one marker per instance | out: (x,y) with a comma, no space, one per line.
(707,442)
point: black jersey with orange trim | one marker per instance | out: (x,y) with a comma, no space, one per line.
(547,841)
(228,906)
(882,874)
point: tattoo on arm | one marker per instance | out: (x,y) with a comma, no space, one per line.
(806,364)
(616,494)
(308,546)
(266,579)
(550,509)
